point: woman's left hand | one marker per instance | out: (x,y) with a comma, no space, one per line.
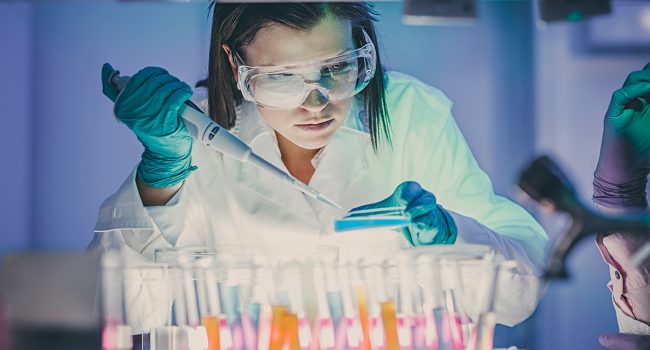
(430,222)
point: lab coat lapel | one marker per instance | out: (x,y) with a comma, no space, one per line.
(343,166)
(270,189)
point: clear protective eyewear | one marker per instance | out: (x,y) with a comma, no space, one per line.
(287,87)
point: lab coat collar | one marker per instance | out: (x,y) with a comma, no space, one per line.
(338,165)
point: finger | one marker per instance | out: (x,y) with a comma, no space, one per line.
(148,89)
(615,341)
(423,204)
(176,101)
(424,229)
(166,97)
(148,98)
(384,203)
(141,77)
(408,191)
(638,104)
(406,232)
(623,121)
(622,96)
(108,89)
(637,77)
(167,100)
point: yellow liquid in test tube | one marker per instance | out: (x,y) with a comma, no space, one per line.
(360,294)
(390,325)
(291,337)
(211,324)
(277,327)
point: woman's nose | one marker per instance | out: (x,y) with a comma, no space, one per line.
(316,101)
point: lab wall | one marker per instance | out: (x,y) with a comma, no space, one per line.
(15,144)
(518,89)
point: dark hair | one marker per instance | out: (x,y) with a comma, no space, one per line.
(237,24)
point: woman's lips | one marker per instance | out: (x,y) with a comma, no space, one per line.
(316,127)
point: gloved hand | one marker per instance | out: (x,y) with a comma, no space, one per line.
(621,175)
(150,105)
(623,341)
(430,222)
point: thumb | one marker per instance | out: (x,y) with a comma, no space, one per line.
(624,341)
(406,192)
(108,90)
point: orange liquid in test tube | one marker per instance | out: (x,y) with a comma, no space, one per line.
(277,327)
(390,325)
(291,337)
(360,294)
(211,324)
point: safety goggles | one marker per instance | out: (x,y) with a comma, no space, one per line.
(287,87)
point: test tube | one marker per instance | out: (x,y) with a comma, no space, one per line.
(349,332)
(116,334)
(277,327)
(194,324)
(360,296)
(325,324)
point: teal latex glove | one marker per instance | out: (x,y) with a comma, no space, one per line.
(430,222)
(629,112)
(150,105)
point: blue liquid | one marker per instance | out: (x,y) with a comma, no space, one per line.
(352,223)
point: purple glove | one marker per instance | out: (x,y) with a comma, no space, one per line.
(621,175)
(624,341)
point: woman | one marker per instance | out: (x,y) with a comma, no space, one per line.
(303,85)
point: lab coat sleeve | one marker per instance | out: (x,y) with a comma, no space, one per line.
(482,217)
(142,229)
(430,149)
(125,223)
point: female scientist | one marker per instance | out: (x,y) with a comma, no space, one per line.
(303,86)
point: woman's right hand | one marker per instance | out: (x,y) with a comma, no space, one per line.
(150,105)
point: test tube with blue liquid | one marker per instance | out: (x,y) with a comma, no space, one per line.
(376,218)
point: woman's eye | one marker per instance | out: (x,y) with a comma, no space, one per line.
(282,76)
(338,67)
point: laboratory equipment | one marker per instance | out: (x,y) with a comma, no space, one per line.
(237,297)
(458,287)
(375,218)
(206,131)
(545,182)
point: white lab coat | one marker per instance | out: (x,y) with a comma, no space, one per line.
(227,202)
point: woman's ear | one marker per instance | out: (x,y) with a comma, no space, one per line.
(233,66)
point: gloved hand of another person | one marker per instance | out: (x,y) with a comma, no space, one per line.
(150,105)
(430,222)
(621,175)
(624,341)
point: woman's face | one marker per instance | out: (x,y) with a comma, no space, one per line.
(311,125)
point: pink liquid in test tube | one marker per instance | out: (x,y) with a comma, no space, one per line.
(326,327)
(354,333)
(304,333)
(376,333)
(430,333)
(455,330)
(250,338)
(404,333)
(225,335)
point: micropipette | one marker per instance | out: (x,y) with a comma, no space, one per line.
(206,131)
